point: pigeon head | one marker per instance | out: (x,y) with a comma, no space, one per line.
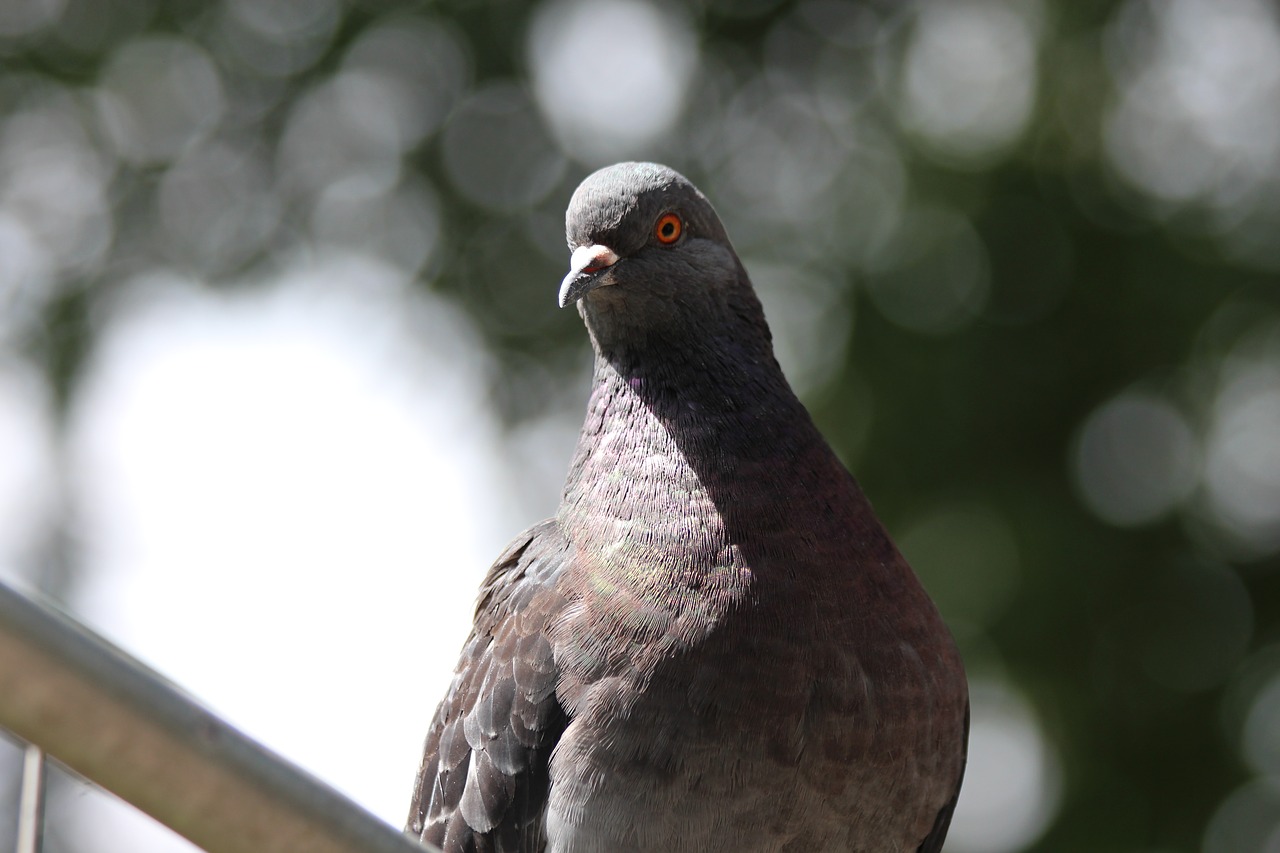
(648,250)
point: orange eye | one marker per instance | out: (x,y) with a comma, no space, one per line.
(668,228)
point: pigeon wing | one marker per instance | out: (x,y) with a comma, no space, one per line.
(933,844)
(483,781)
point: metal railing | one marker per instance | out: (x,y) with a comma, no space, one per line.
(68,692)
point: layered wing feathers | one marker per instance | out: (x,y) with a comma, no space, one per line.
(483,783)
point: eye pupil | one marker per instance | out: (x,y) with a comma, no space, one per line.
(669,227)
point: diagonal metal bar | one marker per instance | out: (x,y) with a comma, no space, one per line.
(126,728)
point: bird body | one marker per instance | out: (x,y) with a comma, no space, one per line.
(714,645)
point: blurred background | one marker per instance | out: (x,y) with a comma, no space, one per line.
(281,369)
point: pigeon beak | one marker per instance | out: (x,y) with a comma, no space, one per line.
(587,267)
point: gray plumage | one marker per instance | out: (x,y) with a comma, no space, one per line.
(714,645)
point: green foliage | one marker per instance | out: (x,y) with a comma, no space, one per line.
(1006,249)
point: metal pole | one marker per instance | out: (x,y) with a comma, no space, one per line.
(31,802)
(124,727)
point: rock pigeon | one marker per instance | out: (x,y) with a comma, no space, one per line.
(714,645)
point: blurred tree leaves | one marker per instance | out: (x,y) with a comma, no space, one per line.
(1007,267)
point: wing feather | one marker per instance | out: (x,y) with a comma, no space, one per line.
(933,843)
(482,784)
